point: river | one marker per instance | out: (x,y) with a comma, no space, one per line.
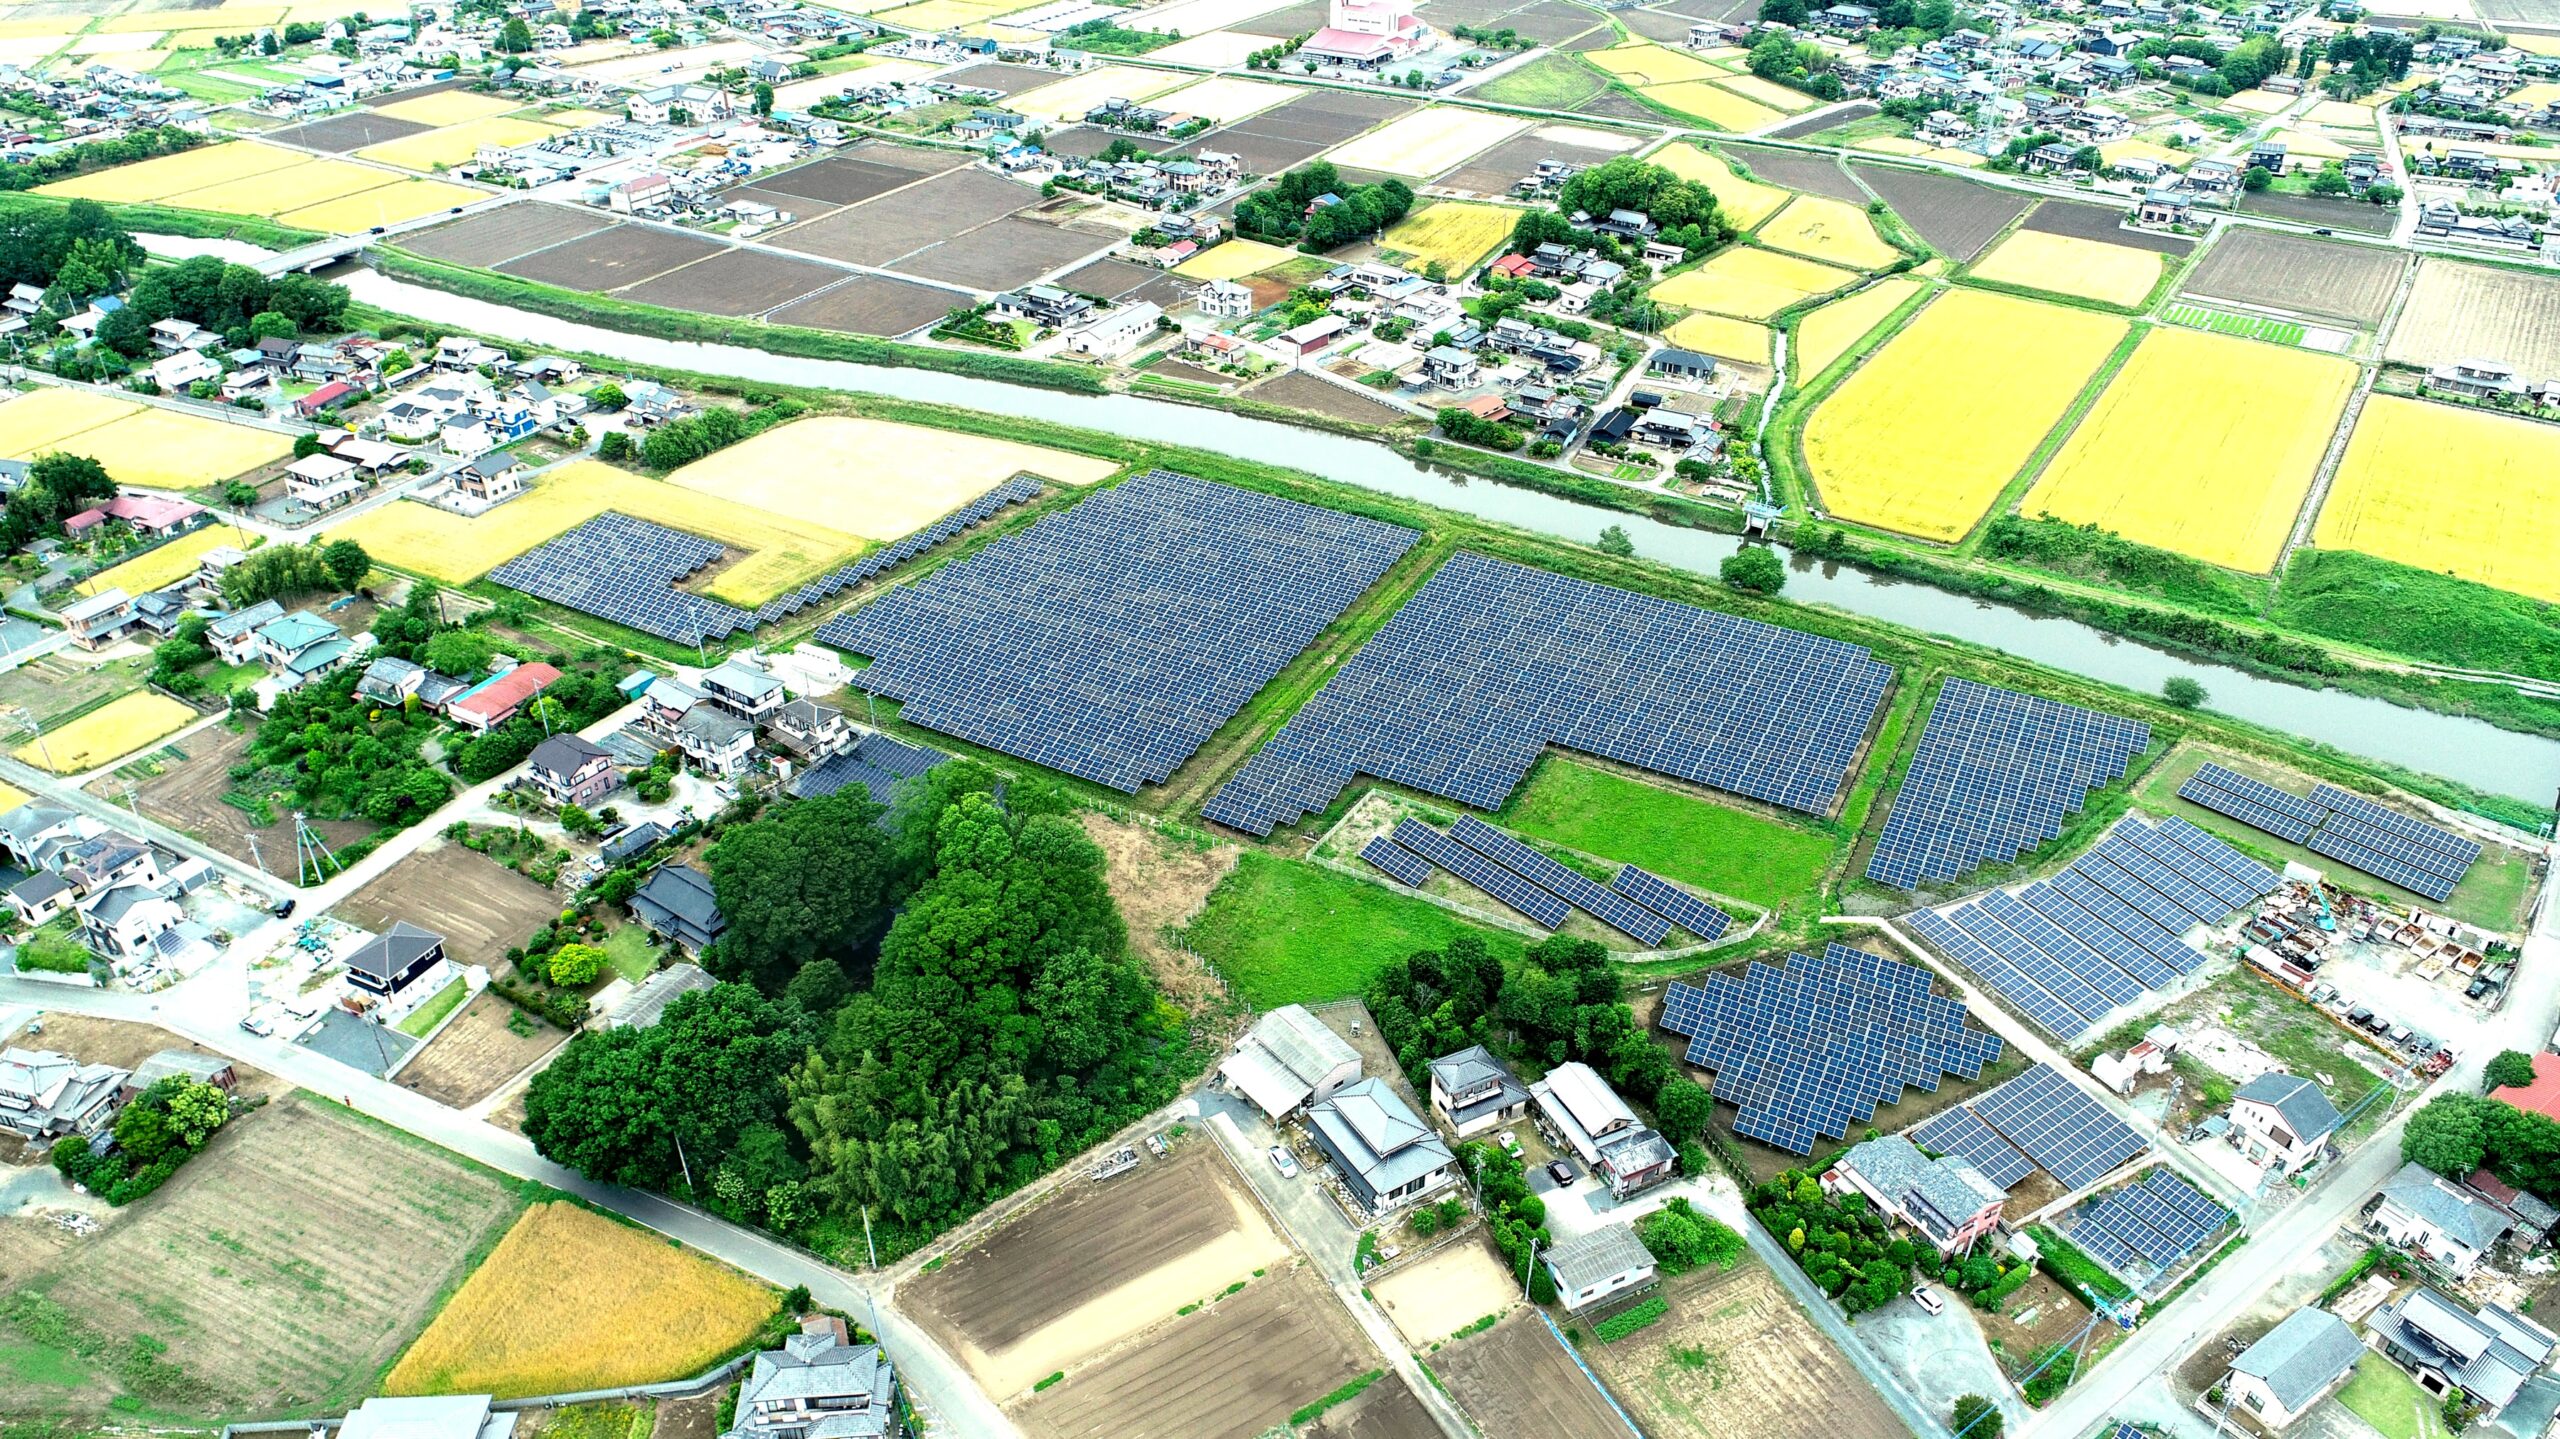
(2471,751)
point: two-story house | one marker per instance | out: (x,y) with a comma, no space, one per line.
(715,742)
(1383,1152)
(2486,1354)
(1476,1092)
(123,921)
(2421,1210)
(570,769)
(45,1094)
(743,690)
(676,903)
(1946,1199)
(100,620)
(2282,1121)
(234,637)
(818,1385)
(811,731)
(1582,1113)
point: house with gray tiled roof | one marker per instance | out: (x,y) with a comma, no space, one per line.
(2426,1212)
(649,1002)
(2487,1353)
(818,1385)
(1386,1156)
(1289,1060)
(2282,1121)
(676,904)
(1476,1091)
(44,1094)
(1946,1199)
(2295,1366)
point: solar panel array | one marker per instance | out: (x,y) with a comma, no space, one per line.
(1995,775)
(1811,1049)
(1399,862)
(2066,951)
(1491,662)
(2068,1134)
(1110,639)
(1957,1131)
(2348,828)
(1512,889)
(1610,908)
(1671,902)
(1018,490)
(2158,1221)
(625,570)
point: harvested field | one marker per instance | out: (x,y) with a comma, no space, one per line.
(1110,279)
(391,204)
(1836,231)
(479,1052)
(1160,883)
(1768,1372)
(1749,284)
(1813,174)
(1748,202)
(1742,341)
(1833,330)
(107,733)
(1003,79)
(1284,135)
(1452,232)
(1956,217)
(1302,391)
(2097,222)
(1551,21)
(1093,1265)
(733,282)
(351,131)
(448,107)
(2459,311)
(2494,519)
(524,1322)
(1287,21)
(1070,99)
(871,305)
(1438,1296)
(481,907)
(2069,265)
(1923,435)
(259,1300)
(1009,253)
(1232,1370)
(1550,82)
(1428,141)
(2351,215)
(1384,1410)
(1225,99)
(2352,284)
(611,259)
(846,179)
(1517,1382)
(1829,119)
(828,469)
(494,236)
(879,231)
(1494,172)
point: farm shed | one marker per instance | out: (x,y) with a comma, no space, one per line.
(1289,1059)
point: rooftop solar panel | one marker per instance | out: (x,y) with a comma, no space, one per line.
(1399,862)
(1671,902)
(1996,774)
(1491,662)
(1503,884)
(1957,1131)
(1576,889)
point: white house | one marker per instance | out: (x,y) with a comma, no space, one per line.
(1116,333)
(1475,1091)
(1585,1115)
(2282,1121)
(1591,1267)
(2295,1366)
(1223,300)
(1289,1060)
(2423,1211)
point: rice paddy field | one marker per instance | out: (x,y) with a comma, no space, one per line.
(1712,102)
(1070,99)
(1746,202)
(390,205)
(1427,141)
(453,144)
(448,107)
(1225,98)
(1923,436)
(110,732)
(828,470)
(1749,284)
(244,177)
(1820,228)
(1681,81)
(138,444)
(1453,232)
(1233,260)
(2201,444)
(1833,330)
(2070,265)
(2493,518)
(39,420)
(166,565)
(1726,339)
(526,1322)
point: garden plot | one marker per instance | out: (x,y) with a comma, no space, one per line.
(2070,265)
(2272,270)
(1094,1265)
(1749,284)
(733,282)
(1745,202)
(2494,517)
(871,305)
(1830,331)
(612,258)
(1925,434)
(189,795)
(1820,228)
(829,469)
(2265,414)
(482,908)
(486,1045)
(510,232)
(2457,311)
(1436,1297)
(1956,217)
(1734,1356)
(1428,141)
(1517,1382)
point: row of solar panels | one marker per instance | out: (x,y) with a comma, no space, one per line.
(2038,1120)
(2156,1222)
(1021,489)
(1996,774)
(626,570)
(2349,828)
(2066,951)
(1539,887)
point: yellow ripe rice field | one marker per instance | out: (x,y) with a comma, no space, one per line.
(1827,333)
(293,188)
(11,797)
(166,565)
(1452,232)
(1069,100)
(1904,145)
(1427,141)
(1820,228)
(2492,516)
(1749,284)
(874,478)
(1225,98)
(1711,102)
(2119,151)
(2263,413)
(529,1319)
(107,733)
(1922,437)
(456,143)
(400,200)
(167,450)
(2360,117)
(1745,202)
(1643,63)
(2533,44)
(163,177)
(1726,339)
(2069,265)
(2308,145)
(1775,96)
(1233,260)
(448,107)
(2257,102)
(39,420)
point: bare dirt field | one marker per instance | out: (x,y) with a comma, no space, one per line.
(1006,254)
(878,231)
(1553,20)
(1735,1356)
(479,1051)
(1288,20)
(1813,174)
(1093,1264)
(1231,1370)
(1110,279)
(871,305)
(2040,1313)
(1003,79)
(2458,311)
(281,1270)
(1495,171)
(1084,141)
(504,234)
(1161,883)
(1955,216)
(1301,391)
(352,131)
(481,907)
(694,1418)
(2352,283)
(1384,1410)
(847,179)
(610,259)
(734,282)
(1278,138)
(188,798)
(1519,1383)
(2353,215)
(1438,1296)
(2098,222)
(1821,120)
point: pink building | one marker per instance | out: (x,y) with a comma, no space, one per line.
(1368,33)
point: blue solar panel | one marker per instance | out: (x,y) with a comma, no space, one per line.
(2023,994)
(2255,880)
(1537,903)
(2078,960)
(1398,861)
(1996,774)
(1491,662)
(1576,889)
(1957,1131)
(2026,959)
(1110,639)
(2161,1220)
(1018,490)
(2344,826)
(2192,901)
(2062,1129)
(2093,936)
(1671,902)
(2224,887)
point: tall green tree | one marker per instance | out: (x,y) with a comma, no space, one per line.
(811,881)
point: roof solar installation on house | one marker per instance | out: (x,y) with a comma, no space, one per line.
(1810,1049)
(1491,662)
(874,563)
(2068,1134)
(1511,888)
(1110,639)
(625,570)
(1671,902)
(1614,910)
(2349,828)
(1398,861)
(1995,775)
(1957,1131)
(2160,1220)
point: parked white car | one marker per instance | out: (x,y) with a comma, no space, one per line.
(1281,1161)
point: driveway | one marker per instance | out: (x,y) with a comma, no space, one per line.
(1938,1357)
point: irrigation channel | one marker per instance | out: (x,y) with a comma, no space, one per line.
(2474,752)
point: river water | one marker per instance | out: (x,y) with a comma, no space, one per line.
(2471,751)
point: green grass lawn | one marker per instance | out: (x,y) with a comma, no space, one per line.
(430,1014)
(1286,932)
(1678,836)
(634,956)
(2392,1402)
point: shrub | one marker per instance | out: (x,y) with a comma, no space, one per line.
(1627,1321)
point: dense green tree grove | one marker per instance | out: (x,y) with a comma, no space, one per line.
(2458,1133)
(1280,211)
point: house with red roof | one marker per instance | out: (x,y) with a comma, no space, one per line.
(145,514)
(497,700)
(1515,267)
(322,398)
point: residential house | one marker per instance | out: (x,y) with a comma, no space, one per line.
(302,646)
(743,690)
(391,961)
(122,923)
(1682,365)
(818,1385)
(1476,1092)
(2282,1121)
(2422,1211)
(1288,1060)
(2160,206)
(1385,1155)
(1047,306)
(1223,300)
(323,364)
(98,621)
(633,841)
(647,1004)
(2296,1365)
(2218,178)
(41,896)
(2267,155)
(172,335)
(45,1094)
(234,636)
(810,731)
(1583,1113)
(105,859)
(502,697)
(160,611)
(676,904)
(147,515)
(2487,1354)
(390,681)
(33,836)
(665,703)
(175,373)
(716,742)
(462,352)
(323,481)
(1599,1264)
(1117,333)
(679,105)
(1452,368)
(2477,379)
(569,769)
(335,392)
(490,476)
(1946,1199)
